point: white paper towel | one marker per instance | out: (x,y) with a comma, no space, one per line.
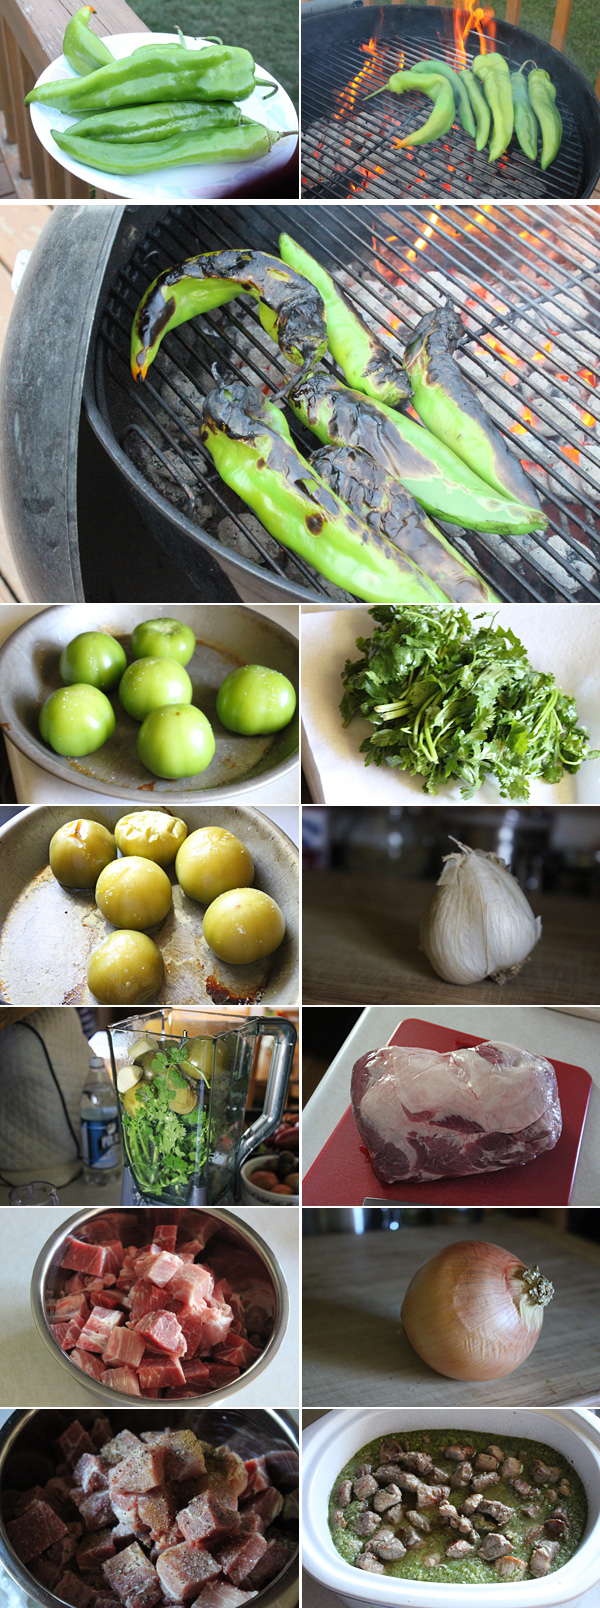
(561,637)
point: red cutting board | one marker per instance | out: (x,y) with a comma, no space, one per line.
(342,1174)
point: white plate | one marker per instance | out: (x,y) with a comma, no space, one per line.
(198,182)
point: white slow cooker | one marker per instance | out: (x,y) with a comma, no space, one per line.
(334,1439)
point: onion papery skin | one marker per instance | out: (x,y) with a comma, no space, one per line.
(467,1313)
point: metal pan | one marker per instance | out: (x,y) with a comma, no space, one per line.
(48,933)
(227,635)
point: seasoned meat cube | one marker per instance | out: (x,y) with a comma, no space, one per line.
(459,1549)
(564,1487)
(556,1525)
(395,1515)
(457,1521)
(406,1482)
(552,1495)
(532,1511)
(388,1473)
(521,1487)
(500,1512)
(416,1462)
(363,1468)
(421,1522)
(339,1521)
(344,1492)
(510,1468)
(437,1476)
(366,1523)
(542,1473)
(365,1486)
(367,1561)
(389,1449)
(494,1546)
(429,1495)
(410,1538)
(462,1476)
(385,1497)
(533,1534)
(542,1558)
(485,1463)
(458,1454)
(496,1451)
(481,1482)
(471,1504)
(388,1549)
(510,1567)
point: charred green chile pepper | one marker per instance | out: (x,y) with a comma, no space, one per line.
(135,123)
(439,91)
(290,309)
(371,493)
(494,73)
(82,48)
(434,475)
(542,95)
(216,143)
(251,446)
(365,361)
(481,109)
(155,73)
(450,408)
(526,123)
(459,89)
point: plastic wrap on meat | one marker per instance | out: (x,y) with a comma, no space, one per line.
(425,1115)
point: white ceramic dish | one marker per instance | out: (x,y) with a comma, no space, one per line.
(329,1444)
(198,182)
(252,1195)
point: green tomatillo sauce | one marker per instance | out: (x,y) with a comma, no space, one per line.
(545,1525)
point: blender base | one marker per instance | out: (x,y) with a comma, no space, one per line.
(131,1196)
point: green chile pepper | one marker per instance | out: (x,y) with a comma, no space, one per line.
(430,471)
(460,94)
(365,361)
(251,446)
(542,95)
(480,107)
(439,91)
(82,48)
(216,143)
(448,405)
(290,309)
(155,73)
(526,123)
(135,123)
(494,73)
(376,497)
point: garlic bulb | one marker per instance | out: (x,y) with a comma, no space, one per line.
(479,923)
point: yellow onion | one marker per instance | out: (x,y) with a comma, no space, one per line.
(474,1311)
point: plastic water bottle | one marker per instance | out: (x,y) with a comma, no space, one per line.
(100,1142)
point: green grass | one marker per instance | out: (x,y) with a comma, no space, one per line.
(537,16)
(268,28)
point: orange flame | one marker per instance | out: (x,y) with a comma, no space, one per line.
(363,80)
(571,452)
(466,18)
(588,418)
(589,376)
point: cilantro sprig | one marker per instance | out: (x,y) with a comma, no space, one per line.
(453,698)
(167,1150)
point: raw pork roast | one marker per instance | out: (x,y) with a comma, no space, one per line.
(425,1115)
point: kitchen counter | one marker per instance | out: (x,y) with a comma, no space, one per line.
(30,1376)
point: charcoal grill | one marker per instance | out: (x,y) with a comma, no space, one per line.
(346,140)
(527,282)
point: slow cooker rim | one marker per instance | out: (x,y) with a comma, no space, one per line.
(335,1573)
(104,1393)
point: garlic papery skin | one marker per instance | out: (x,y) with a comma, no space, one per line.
(479,923)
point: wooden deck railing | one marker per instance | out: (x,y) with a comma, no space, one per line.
(31,33)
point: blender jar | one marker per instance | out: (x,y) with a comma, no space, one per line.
(182,1081)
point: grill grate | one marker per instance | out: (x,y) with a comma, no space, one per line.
(528,287)
(347,142)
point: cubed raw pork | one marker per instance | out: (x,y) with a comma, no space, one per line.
(145,1297)
(35,1530)
(157,1509)
(222,1595)
(90,1473)
(159,1375)
(267,1504)
(125,1347)
(206,1518)
(75,1590)
(272,1562)
(220,1374)
(120,1446)
(141,1471)
(57,1492)
(425,1115)
(162,1331)
(184,1569)
(123,1379)
(101,1431)
(258,1478)
(83,1257)
(97,1510)
(184,1457)
(165,1235)
(195,1373)
(284,1468)
(133,1577)
(95,1549)
(159,1267)
(238,1558)
(89,1363)
(193,1284)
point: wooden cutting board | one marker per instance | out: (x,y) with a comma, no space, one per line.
(354,1348)
(342,1174)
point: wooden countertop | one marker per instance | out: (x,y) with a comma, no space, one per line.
(360,946)
(354,1349)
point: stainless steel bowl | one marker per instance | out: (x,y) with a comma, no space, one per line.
(133,1222)
(30,1434)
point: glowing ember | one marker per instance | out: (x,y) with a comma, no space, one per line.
(463,20)
(587,375)
(588,418)
(571,452)
(364,80)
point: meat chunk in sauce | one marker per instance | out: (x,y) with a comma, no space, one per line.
(494,1546)
(365,1486)
(462,1476)
(510,1567)
(481,1482)
(390,1449)
(500,1512)
(510,1468)
(366,1523)
(542,1473)
(416,1462)
(368,1562)
(459,1549)
(389,1548)
(485,1463)
(344,1492)
(543,1557)
(385,1497)
(458,1454)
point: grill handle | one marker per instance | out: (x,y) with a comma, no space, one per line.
(318,8)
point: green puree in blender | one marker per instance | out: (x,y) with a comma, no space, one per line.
(544,1528)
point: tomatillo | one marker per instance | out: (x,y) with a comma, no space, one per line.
(76,720)
(127,969)
(243,925)
(93,658)
(151,833)
(176,741)
(151,683)
(163,639)
(79,851)
(254,700)
(210,862)
(134,893)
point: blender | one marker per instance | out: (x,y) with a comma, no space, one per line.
(182,1080)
